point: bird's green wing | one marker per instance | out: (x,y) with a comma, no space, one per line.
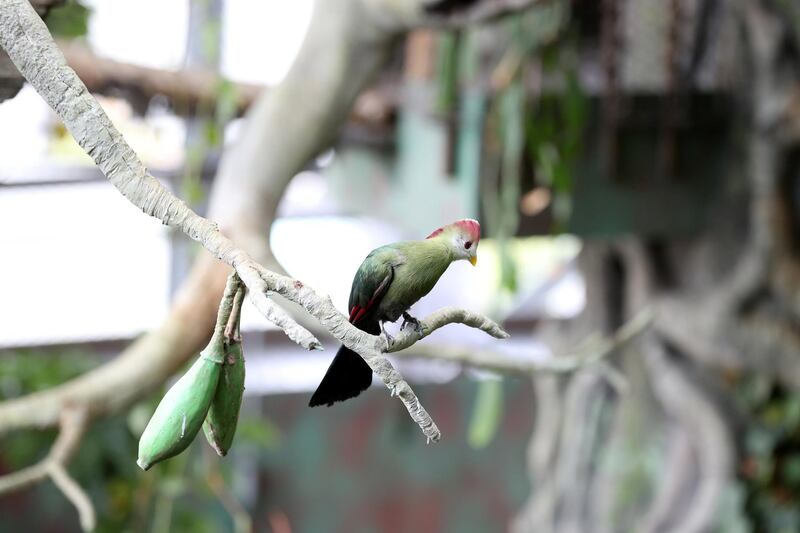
(372,281)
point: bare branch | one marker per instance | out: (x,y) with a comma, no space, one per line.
(186,89)
(29,45)
(488,359)
(75,494)
(190,89)
(23,478)
(73,424)
(155,356)
(440,318)
(373,347)
(278,140)
(702,420)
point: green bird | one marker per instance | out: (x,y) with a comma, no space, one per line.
(389,281)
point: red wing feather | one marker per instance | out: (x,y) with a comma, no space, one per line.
(357,312)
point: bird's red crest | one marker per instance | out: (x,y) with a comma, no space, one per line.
(470,226)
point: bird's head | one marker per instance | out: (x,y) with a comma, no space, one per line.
(462,238)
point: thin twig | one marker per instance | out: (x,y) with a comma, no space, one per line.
(74,494)
(73,424)
(23,478)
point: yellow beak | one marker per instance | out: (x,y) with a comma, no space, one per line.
(473,260)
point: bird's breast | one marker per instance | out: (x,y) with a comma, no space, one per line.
(413,280)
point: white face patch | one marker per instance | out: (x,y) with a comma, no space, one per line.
(460,248)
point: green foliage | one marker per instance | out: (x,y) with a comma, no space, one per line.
(769,470)
(555,128)
(68,21)
(531,138)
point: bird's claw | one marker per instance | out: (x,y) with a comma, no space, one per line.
(409,320)
(389,338)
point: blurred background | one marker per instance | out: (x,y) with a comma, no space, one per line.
(623,156)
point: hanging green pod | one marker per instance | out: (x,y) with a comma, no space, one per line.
(183,408)
(223,415)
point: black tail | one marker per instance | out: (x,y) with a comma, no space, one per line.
(347,377)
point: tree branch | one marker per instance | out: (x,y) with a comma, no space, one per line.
(73,424)
(186,89)
(358,34)
(488,359)
(189,89)
(703,421)
(29,45)
(278,138)
(438,319)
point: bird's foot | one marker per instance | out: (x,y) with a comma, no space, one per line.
(389,338)
(410,321)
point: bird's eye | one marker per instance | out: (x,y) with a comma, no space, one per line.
(468,245)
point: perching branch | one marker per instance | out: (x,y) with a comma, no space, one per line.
(442,317)
(278,139)
(29,45)
(73,424)
(371,347)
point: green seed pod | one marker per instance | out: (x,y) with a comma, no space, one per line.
(181,411)
(223,415)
